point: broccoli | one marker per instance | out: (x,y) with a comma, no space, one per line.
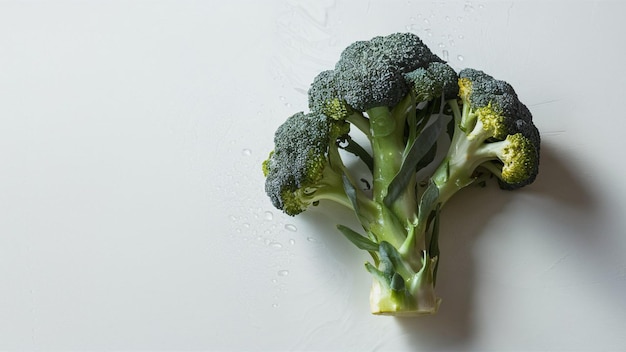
(402,98)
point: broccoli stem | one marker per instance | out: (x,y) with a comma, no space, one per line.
(402,110)
(468,119)
(449,178)
(387,150)
(403,283)
(359,121)
(334,189)
(467,151)
(456,111)
(387,132)
(453,173)
(388,146)
(332,193)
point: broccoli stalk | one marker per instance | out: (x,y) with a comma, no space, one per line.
(400,96)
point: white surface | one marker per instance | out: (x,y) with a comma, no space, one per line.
(132,211)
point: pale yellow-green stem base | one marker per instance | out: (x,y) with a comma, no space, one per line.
(382,303)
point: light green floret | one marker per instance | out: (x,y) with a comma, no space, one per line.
(518,155)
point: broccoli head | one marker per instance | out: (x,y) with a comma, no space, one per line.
(371,73)
(498,128)
(324,97)
(298,171)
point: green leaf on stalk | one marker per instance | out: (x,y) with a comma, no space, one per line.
(450,128)
(420,148)
(355,148)
(390,255)
(428,158)
(397,282)
(433,248)
(351,192)
(428,202)
(357,239)
(382,278)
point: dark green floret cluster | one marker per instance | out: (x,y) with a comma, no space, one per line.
(405,104)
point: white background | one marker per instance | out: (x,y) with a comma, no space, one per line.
(132,210)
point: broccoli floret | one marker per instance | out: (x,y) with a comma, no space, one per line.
(433,81)
(402,97)
(298,171)
(325,98)
(371,73)
(495,132)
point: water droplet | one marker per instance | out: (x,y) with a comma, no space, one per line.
(461,36)
(291,227)
(283,272)
(311,239)
(441,45)
(445,55)
(246,152)
(274,281)
(292,241)
(275,244)
(282,98)
(275,305)
(268,215)
(460,57)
